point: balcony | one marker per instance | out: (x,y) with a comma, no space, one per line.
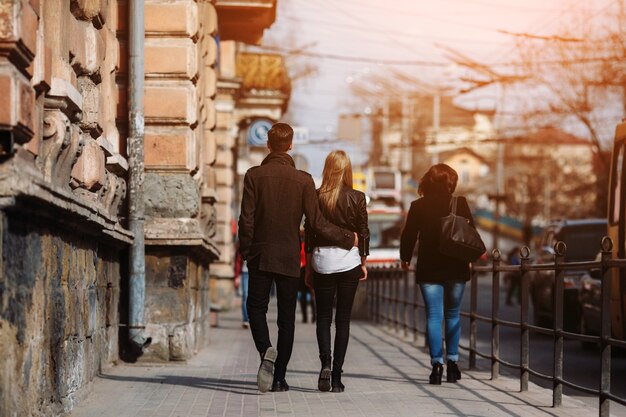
(264,81)
(245,20)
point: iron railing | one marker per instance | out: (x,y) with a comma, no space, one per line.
(395,301)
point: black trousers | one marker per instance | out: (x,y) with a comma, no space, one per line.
(259,288)
(342,285)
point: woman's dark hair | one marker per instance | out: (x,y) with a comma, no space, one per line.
(440,178)
(280,137)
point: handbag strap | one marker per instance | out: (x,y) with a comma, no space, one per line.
(453,202)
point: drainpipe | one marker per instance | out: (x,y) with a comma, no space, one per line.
(136,205)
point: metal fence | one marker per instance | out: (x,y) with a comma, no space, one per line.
(394,300)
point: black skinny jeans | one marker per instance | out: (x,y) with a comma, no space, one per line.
(259,288)
(344,285)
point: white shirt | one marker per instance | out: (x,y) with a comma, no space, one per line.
(333,259)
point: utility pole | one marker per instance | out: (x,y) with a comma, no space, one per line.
(385,129)
(436,126)
(405,157)
(499,197)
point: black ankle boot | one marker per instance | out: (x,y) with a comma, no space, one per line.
(436,374)
(323,382)
(337,386)
(453,373)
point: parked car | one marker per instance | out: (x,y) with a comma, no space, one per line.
(582,238)
(589,296)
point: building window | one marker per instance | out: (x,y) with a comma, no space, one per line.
(465,177)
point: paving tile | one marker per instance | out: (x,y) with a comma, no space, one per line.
(384,376)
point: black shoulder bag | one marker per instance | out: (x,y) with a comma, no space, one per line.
(458,238)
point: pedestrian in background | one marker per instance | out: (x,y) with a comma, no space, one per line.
(334,272)
(305,294)
(241,283)
(513,278)
(441,278)
(275,197)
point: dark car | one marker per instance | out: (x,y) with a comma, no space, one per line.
(590,301)
(582,238)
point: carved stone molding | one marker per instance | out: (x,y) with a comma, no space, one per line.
(18,33)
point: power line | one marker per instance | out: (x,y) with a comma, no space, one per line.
(358,58)
(499,6)
(419,63)
(389,31)
(362,21)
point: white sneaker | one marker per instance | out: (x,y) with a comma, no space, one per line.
(245,324)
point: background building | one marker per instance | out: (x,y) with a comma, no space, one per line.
(64,127)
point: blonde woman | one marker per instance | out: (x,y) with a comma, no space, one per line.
(333,271)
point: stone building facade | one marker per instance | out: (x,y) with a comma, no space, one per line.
(62,188)
(64,168)
(180,151)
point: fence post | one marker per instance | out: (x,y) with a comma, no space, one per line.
(525,334)
(495,313)
(377,296)
(415,312)
(557,389)
(405,310)
(473,324)
(369,298)
(605,331)
(388,297)
(396,302)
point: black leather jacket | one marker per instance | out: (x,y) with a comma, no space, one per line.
(351,214)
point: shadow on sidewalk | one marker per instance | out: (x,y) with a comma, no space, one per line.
(355,376)
(225,385)
(511,399)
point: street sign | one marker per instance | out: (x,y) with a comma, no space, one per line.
(257,132)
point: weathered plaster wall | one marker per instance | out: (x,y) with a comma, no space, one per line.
(59,295)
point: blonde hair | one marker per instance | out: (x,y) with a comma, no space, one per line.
(337,173)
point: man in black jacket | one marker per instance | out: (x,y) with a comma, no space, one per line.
(275,197)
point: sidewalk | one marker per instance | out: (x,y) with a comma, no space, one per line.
(383,376)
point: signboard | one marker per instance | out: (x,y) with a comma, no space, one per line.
(257,132)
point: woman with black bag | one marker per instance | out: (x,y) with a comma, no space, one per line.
(440,273)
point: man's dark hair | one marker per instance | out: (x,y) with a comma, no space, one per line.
(440,178)
(280,137)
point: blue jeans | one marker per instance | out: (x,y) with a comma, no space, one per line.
(244,295)
(443,300)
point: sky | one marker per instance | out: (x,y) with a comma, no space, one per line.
(396,30)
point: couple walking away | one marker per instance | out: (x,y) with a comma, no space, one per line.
(275,197)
